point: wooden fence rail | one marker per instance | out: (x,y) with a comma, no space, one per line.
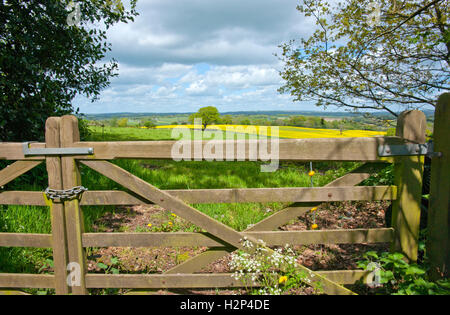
(68,239)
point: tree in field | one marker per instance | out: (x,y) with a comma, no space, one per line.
(385,55)
(122,122)
(245,122)
(209,115)
(149,124)
(51,51)
(226,120)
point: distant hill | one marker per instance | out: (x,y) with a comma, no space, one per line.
(104,116)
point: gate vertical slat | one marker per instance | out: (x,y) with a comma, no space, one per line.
(74,216)
(438,245)
(408,170)
(59,241)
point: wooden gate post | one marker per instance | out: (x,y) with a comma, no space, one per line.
(438,245)
(74,217)
(55,181)
(408,170)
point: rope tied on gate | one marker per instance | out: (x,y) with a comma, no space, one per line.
(65,195)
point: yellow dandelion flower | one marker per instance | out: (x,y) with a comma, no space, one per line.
(282,279)
(314,209)
(170,223)
(174,215)
(311,173)
(314,226)
(149,225)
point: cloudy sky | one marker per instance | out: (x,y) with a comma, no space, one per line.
(180,55)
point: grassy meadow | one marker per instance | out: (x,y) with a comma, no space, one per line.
(164,174)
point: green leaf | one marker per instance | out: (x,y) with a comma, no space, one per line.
(371,254)
(102,266)
(414,270)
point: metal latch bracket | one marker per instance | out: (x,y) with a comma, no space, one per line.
(409,149)
(27,151)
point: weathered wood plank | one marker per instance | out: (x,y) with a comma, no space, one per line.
(408,178)
(69,134)
(325,149)
(162,281)
(16,169)
(55,181)
(14,151)
(290,194)
(32,281)
(25,198)
(172,239)
(438,238)
(346,276)
(198,196)
(166,281)
(26,240)
(12,292)
(355,236)
(198,262)
(271,238)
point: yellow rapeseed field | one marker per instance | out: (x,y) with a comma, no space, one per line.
(286,132)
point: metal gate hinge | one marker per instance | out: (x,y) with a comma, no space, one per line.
(27,151)
(409,149)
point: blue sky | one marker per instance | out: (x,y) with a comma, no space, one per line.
(180,55)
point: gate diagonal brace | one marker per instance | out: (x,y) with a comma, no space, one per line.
(179,207)
(27,151)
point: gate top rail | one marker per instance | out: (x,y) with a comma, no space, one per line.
(319,149)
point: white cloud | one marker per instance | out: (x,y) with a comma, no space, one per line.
(159,56)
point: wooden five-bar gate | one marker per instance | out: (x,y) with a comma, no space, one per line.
(68,239)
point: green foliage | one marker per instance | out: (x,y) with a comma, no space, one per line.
(384,177)
(245,122)
(45,62)
(208,115)
(113,122)
(111,268)
(277,272)
(226,120)
(399,62)
(390,132)
(149,124)
(122,122)
(84,129)
(397,277)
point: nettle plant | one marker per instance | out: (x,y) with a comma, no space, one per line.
(276,272)
(397,277)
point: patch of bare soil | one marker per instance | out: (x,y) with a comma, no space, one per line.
(342,215)
(139,260)
(336,216)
